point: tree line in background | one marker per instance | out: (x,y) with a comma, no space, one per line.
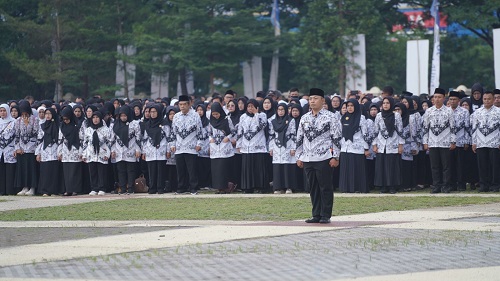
(51,47)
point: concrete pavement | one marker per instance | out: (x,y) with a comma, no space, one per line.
(450,243)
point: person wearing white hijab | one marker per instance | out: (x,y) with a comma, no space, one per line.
(7,151)
(41,114)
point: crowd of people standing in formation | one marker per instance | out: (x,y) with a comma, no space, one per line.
(268,144)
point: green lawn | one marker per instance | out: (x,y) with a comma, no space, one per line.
(251,209)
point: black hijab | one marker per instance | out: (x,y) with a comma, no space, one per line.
(145,120)
(377,106)
(350,121)
(222,123)
(82,116)
(477,87)
(410,108)
(429,105)
(153,126)
(71,130)
(280,125)
(236,114)
(297,119)
(95,137)
(329,105)
(50,128)
(204,119)
(138,105)
(272,111)
(337,109)
(405,116)
(18,110)
(255,103)
(121,128)
(365,107)
(89,120)
(388,117)
(170,108)
(468,101)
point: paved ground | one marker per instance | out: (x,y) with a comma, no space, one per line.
(451,243)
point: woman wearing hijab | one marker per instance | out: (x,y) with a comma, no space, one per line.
(78,111)
(46,153)
(221,149)
(269,108)
(235,116)
(476,97)
(137,108)
(296,113)
(125,148)
(154,148)
(41,114)
(415,121)
(354,147)
(171,182)
(373,110)
(410,148)
(252,144)
(336,103)
(7,151)
(203,163)
(96,152)
(26,142)
(388,145)
(471,169)
(282,136)
(328,104)
(69,152)
(14,111)
(423,162)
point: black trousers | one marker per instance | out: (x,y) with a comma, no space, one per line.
(127,173)
(488,166)
(458,169)
(440,167)
(156,176)
(98,174)
(319,180)
(7,176)
(187,173)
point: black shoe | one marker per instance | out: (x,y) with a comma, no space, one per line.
(313,220)
(436,190)
(324,220)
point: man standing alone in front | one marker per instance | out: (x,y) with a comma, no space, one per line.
(318,139)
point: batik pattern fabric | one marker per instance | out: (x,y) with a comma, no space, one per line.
(251,137)
(282,153)
(409,142)
(123,152)
(205,142)
(462,126)
(187,131)
(27,134)
(370,126)
(48,153)
(219,148)
(170,142)
(360,140)
(486,127)
(102,156)
(152,152)
(318,137)
(383,140)
(8,141)
(439,127)
(72,155)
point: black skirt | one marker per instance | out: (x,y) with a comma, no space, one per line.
(423,171)
(73,180)
(388,170)
(253,172)
(220,174)
(370,173)
(236,169)
(204,173)
(49,178)
(26,172)
(352,177)
(7,177)
(284,176)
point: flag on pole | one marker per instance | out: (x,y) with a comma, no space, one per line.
(275,15)
(435,68)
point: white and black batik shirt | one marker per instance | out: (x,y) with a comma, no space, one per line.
(462,126)
(251,136)
(360,140)
(187,131)
(318,137)
(439,127)
(486,127)
(385,142)
(26,135)
(281,152)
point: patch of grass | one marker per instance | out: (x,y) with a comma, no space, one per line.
(3,200)
(241,209)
